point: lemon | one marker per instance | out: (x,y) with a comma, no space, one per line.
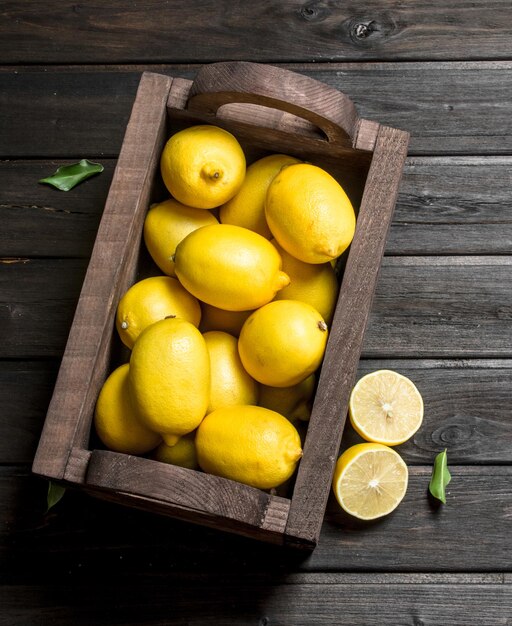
(230,383)
(116,420)
(182,453)
(293,402)
(314,283)
(283,342)
(249,444)
(386,407)
(229,267)
(247,207)
(230,322)
(150,300)
(203,166)
(309,213)
(370,480)
(170,377)
(166,224)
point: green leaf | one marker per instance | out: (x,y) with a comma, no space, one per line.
(68,176)
(440,477)
(55,493)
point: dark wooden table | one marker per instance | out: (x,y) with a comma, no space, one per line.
(442,314)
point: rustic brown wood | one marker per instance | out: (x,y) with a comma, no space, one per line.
(62,452)
(187,494)
(449,108)
(110,271)
(220,84)
(346,335)
(286,30)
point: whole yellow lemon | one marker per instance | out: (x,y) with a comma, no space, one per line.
(249,444)
(309,213)
(230,322)
(166,224)
(282,343)
(203,166)
(170,377)
(230,383)
(229,267)
(247,208)
(314,283)
(182,453)
(115,417)
(150,300)
(293,402)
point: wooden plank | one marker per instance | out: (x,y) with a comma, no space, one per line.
(424,307)
(186,494)
(82,537)
(453,205)
(467,408)
(446,205)
(37,302)
(39,220)
(265,603)
(449,108)
(441,306)
(25,392)
(292,31)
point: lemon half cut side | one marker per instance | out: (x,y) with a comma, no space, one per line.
(370,480)
(386,407)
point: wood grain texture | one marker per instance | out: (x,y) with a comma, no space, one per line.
(291,30)
(83,537)
(454,307)
(446,205)
(305,603)
(449,108)
(187,494)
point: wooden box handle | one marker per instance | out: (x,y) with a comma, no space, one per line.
(328,109)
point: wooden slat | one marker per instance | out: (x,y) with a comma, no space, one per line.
(187,494)
(442,306)
(449,108)
(446,205)
(25,392)
(361,603)
(467,408)
(345,341)
(424,307)
(110,271)
(39,220)
(289,30)
(85,537)
(453,205)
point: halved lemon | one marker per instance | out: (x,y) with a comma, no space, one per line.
(386,407)
(370,480)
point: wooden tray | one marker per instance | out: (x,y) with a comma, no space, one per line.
(269,110)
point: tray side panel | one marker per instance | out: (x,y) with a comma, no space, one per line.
(346,337)
(110,270)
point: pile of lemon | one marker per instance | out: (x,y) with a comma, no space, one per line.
(226,342)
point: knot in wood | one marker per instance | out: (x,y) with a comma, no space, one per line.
(362,30)
(313,12)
